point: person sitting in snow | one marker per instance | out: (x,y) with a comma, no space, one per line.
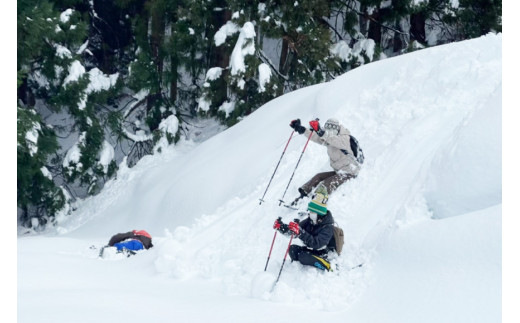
(342,160)
(130,242)
(316,232)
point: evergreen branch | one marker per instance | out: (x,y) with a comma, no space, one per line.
(57,171)
(325,21)
(367,16)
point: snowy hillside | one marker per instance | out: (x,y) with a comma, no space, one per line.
(424,215)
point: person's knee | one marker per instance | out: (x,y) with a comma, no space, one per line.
(306,258)
(294,252)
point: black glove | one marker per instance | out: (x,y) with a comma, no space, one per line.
(280,226)
(295,123)
(297,126)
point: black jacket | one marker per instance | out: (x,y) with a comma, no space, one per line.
(147,242)
(319,235)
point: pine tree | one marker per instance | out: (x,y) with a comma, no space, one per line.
(302,26)
(235,89)
(37,195)
(135,71)
(53,71)
(169,61)
(479,17)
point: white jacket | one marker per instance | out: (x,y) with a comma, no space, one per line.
(339,161)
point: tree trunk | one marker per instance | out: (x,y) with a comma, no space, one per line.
(157,39)
(221,53)
(398,39)
(114,31)
(175,76)
(417,27)
(363,21)
(219,56)
(283,66)
(157,23)
(25,94)
(374,28)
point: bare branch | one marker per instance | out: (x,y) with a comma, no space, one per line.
(331,27)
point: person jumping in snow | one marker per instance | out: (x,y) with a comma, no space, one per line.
(316,232)
(130,242)
(342,160)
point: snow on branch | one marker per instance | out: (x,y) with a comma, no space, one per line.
(243,47)
(229,29)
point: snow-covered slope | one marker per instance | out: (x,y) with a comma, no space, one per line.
(423,216)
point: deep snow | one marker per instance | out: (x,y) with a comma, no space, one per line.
(424,215)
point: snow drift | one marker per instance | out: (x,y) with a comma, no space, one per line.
(423,216)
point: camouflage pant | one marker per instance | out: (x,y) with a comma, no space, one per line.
(331,180)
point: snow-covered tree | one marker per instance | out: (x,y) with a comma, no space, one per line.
(168,60)
(128,75)
(305,34)
(245,83)
(38,197)
(52,74)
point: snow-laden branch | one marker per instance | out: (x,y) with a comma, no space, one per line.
(267,61)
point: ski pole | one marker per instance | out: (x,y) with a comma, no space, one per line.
(283,263)
(276,168)
(281,200)
(272,244)
(285,257)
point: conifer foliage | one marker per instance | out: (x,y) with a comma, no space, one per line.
(105,82)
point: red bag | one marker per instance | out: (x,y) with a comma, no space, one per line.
(142,233)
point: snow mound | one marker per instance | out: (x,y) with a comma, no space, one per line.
(429,124)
